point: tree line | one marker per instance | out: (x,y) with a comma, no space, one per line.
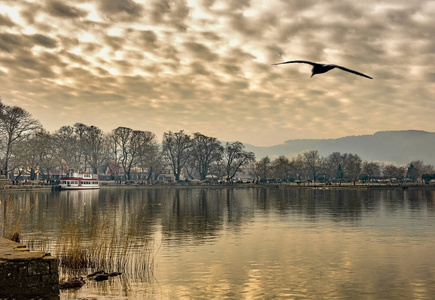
(27,148)
(338,167)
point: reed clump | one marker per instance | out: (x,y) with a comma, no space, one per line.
(70,250)
(103,243)
(13,218)
(98,241)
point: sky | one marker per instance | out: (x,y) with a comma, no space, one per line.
(205,66)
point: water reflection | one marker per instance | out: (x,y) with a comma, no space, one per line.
(253,242)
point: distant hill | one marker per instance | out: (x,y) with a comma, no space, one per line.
(400,147)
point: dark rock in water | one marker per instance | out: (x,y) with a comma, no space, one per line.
(75,282)
(95,274)
(101,277)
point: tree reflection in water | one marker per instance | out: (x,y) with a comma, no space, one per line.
(240,242)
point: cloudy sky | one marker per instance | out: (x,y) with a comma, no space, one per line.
(205,65)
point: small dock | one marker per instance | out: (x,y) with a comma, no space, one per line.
(27,274)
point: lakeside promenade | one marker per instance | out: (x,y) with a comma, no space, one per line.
(216,185)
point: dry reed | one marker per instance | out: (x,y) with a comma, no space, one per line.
(12,220)
(102,244)
(99,242)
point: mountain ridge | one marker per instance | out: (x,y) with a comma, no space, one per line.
(399,146)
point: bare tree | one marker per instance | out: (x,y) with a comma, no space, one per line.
(297,167)
(281,168)
(176,150)
(45,150)
(80,130)
(152,161)
(335,164)
(122,137)
(205,152)
(148,151)
(15,124)
(67,148)
(234,158)
(370,170)
(22,160)
(130,145)
(353,167)
(313,162)
(35,155)
(263,168)
(114,158)
(95,147)
(391,171)
(417,168)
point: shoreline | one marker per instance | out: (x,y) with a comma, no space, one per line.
(322,186)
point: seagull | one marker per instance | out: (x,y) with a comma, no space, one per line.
(322,68)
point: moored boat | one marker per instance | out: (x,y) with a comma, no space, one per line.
(79,181)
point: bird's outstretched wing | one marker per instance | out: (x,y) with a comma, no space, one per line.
(298,61)
(352,71)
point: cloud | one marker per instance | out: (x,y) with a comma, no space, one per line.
(6,21)
(170,12)
(10,42)
(200,51)
(150,39)
(43,40)
(204,65)
(60,9)
(116,7)
(114,42)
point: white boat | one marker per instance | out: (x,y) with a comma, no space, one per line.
(79,181)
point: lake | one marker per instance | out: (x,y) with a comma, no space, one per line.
(242,243)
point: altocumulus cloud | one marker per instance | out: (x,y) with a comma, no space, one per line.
(205,65)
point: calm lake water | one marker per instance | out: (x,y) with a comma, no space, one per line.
(249,243)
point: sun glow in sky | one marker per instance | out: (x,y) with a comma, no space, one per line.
(205,66)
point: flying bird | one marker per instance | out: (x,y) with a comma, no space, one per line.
(322,68)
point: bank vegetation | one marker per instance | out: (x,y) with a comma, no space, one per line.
(29,152)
